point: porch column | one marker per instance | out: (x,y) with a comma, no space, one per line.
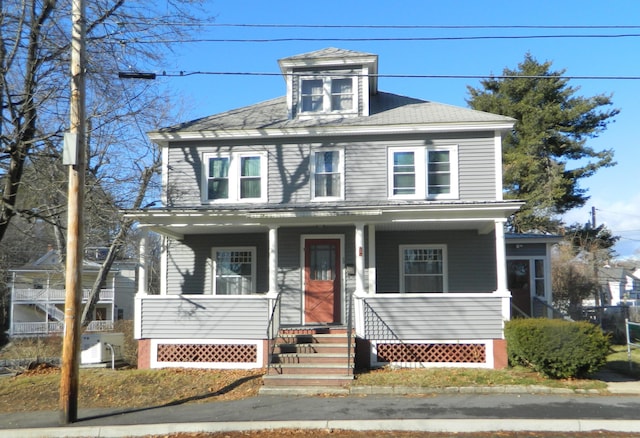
(501,258)
(501,271)
(359,258)
(142,265)
(371,251)
(273,259)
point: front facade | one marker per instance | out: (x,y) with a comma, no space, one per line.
(337,205)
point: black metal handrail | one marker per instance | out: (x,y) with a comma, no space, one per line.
(273,327)
(350,365)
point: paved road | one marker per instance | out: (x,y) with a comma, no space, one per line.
(358,410)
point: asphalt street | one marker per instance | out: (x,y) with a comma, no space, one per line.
(362,408)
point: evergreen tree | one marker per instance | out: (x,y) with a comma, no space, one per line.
(546,154)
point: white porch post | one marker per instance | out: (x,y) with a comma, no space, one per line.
(501,270)
(371,250)
(273,259)
(142,266)
(501,257)
(359,241)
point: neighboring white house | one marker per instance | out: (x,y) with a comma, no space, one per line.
(38,295)
(620,286)
(335,206)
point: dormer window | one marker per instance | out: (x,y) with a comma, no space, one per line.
(327,95)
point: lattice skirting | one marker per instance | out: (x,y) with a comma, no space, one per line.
(434,353)
(206,354)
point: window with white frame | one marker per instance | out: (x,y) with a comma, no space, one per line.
(234,177)
(327,95)
(327,174)
(423,268)
(234,271)
(423,173)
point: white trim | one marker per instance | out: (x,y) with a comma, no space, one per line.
(164,260)
(164,195)
(333,131)
(445,267)
(312,173)
(234,178)
(421,172)
(371,250)
(339,237)
(327,107)
(251,249)
(488,345)
(154,363)
(359,255)
(497,150)
(273,259)
(501,257)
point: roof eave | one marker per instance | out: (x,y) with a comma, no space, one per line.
(163,138)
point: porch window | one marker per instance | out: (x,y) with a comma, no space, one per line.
(234,177)
(326,171)
(423,268)
(327,95)
(234,270)
(423,173)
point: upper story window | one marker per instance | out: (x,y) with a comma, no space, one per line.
(423,173)
(327,171)
(234,177)
(423,268)
(327,95)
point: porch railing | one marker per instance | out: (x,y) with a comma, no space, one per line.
(57,327)
(58,295)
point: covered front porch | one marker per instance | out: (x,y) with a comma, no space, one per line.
(359,269)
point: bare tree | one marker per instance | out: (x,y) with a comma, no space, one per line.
(122,35)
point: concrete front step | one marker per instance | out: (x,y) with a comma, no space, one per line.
(295,380)
(320,338)
(303,390)
(318,358)
(313,348)
(308,368)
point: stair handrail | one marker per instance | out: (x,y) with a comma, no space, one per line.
(274,325)
(350,365)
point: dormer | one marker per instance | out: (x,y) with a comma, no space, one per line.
(329,83)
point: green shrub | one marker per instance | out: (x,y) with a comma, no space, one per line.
(556,348)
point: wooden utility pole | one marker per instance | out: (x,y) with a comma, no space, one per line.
(75,149)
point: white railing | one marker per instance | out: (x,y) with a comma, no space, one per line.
(44,328)
(55,295)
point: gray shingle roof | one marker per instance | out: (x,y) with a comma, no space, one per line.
(329,52)
(386,109)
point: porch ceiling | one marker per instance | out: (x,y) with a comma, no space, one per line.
(177,223)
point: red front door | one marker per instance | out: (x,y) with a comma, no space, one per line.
(322,281)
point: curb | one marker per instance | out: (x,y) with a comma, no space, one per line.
(439,425)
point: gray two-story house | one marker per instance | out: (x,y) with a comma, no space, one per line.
(335,210)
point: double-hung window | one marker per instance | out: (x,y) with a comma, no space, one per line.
(237,177)
(234,271)
(327,95)
(423,173)
(423,268)
(327,171)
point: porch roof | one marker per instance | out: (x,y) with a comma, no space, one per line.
(178,222)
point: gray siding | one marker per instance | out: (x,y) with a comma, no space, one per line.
(189,264)
(471,258)
(204,317)
(432,317)
(365,166)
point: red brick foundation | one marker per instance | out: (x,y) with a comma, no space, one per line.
(144,354)
(500,358)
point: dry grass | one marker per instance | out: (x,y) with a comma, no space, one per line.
(38,389)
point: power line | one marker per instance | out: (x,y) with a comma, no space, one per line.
(369,39)
(376,26)
(185,73)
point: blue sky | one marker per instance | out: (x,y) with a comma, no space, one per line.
(614,191)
